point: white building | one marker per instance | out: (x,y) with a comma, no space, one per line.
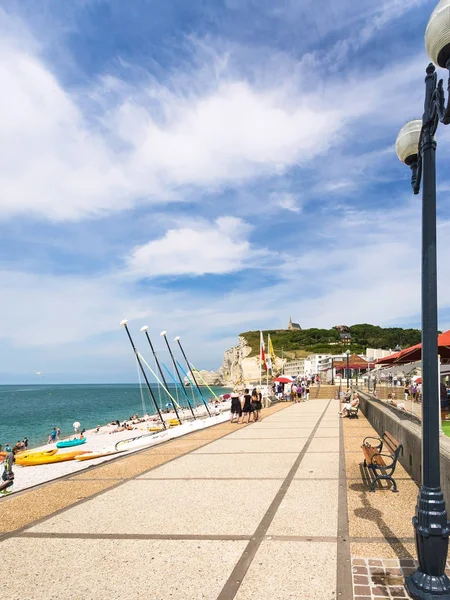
(295,367)
(311,365)
(376,353)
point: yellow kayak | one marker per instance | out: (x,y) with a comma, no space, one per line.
(174,422)
(31,461)
(156,428)
(91,455)
(25,454)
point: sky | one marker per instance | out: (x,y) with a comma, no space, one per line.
(205,167)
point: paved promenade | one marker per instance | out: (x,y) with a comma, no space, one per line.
(275,510)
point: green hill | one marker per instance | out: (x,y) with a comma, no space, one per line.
(298,343)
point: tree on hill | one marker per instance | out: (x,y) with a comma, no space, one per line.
(327,341)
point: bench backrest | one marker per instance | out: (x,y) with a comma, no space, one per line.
(391,444)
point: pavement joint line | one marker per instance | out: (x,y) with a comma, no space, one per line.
(381,540)
(344,578)
(211,479)
(300,437)
(239,452)
(233,583)
(234,479)
(6,535)
(129,536)
(176,536)
(301,538)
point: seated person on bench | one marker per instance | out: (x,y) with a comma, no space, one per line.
(350,406)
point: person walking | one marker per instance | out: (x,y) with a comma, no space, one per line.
(406,392)
(236,407)
(52,436)
(247,409)
(8,474)
(294,395)
(259,403)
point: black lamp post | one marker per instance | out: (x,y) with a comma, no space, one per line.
(347,352)
(416,147)
(332,371)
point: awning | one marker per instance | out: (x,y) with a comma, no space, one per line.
(414,353)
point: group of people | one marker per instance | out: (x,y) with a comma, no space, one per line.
(18,447)
(246,406)
(297,391)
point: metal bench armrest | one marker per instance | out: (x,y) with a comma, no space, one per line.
(385,466)
(373,438)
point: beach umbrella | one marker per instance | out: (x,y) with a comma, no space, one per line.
(283,379)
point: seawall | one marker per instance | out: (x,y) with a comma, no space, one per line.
(408,431)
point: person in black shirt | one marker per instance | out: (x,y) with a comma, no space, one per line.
(236,407)
(247,409)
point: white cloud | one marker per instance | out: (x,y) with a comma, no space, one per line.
(198,248)
(147,146)
(370,273)
(204,130)
(287,201)
(335,186)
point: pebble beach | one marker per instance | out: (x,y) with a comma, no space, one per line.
(105,440)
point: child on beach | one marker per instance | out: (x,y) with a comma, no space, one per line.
(52,436)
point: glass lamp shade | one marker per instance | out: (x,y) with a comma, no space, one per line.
(407,144)
(437,34)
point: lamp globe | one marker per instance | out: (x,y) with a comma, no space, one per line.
(407,143)
(437,34)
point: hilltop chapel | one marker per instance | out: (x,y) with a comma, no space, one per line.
(293,325)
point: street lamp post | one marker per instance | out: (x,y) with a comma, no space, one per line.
(332,371)
(416,147)
(347,352)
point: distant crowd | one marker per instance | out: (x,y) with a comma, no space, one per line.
(296,391)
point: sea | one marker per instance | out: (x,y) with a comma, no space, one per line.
(33,410)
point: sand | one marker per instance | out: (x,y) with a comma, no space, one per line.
(107,437)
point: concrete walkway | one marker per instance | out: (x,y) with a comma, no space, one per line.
(245,516)
(275,510)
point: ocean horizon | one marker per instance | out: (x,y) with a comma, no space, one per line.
(33,410)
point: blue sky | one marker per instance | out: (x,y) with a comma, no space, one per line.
(205,167)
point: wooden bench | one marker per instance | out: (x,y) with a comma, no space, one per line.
(382,464)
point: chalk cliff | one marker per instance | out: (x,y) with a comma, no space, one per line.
(239,368)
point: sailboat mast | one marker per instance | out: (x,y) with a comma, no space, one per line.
(145,330)
(177,339)
(124,324)
(164,335)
